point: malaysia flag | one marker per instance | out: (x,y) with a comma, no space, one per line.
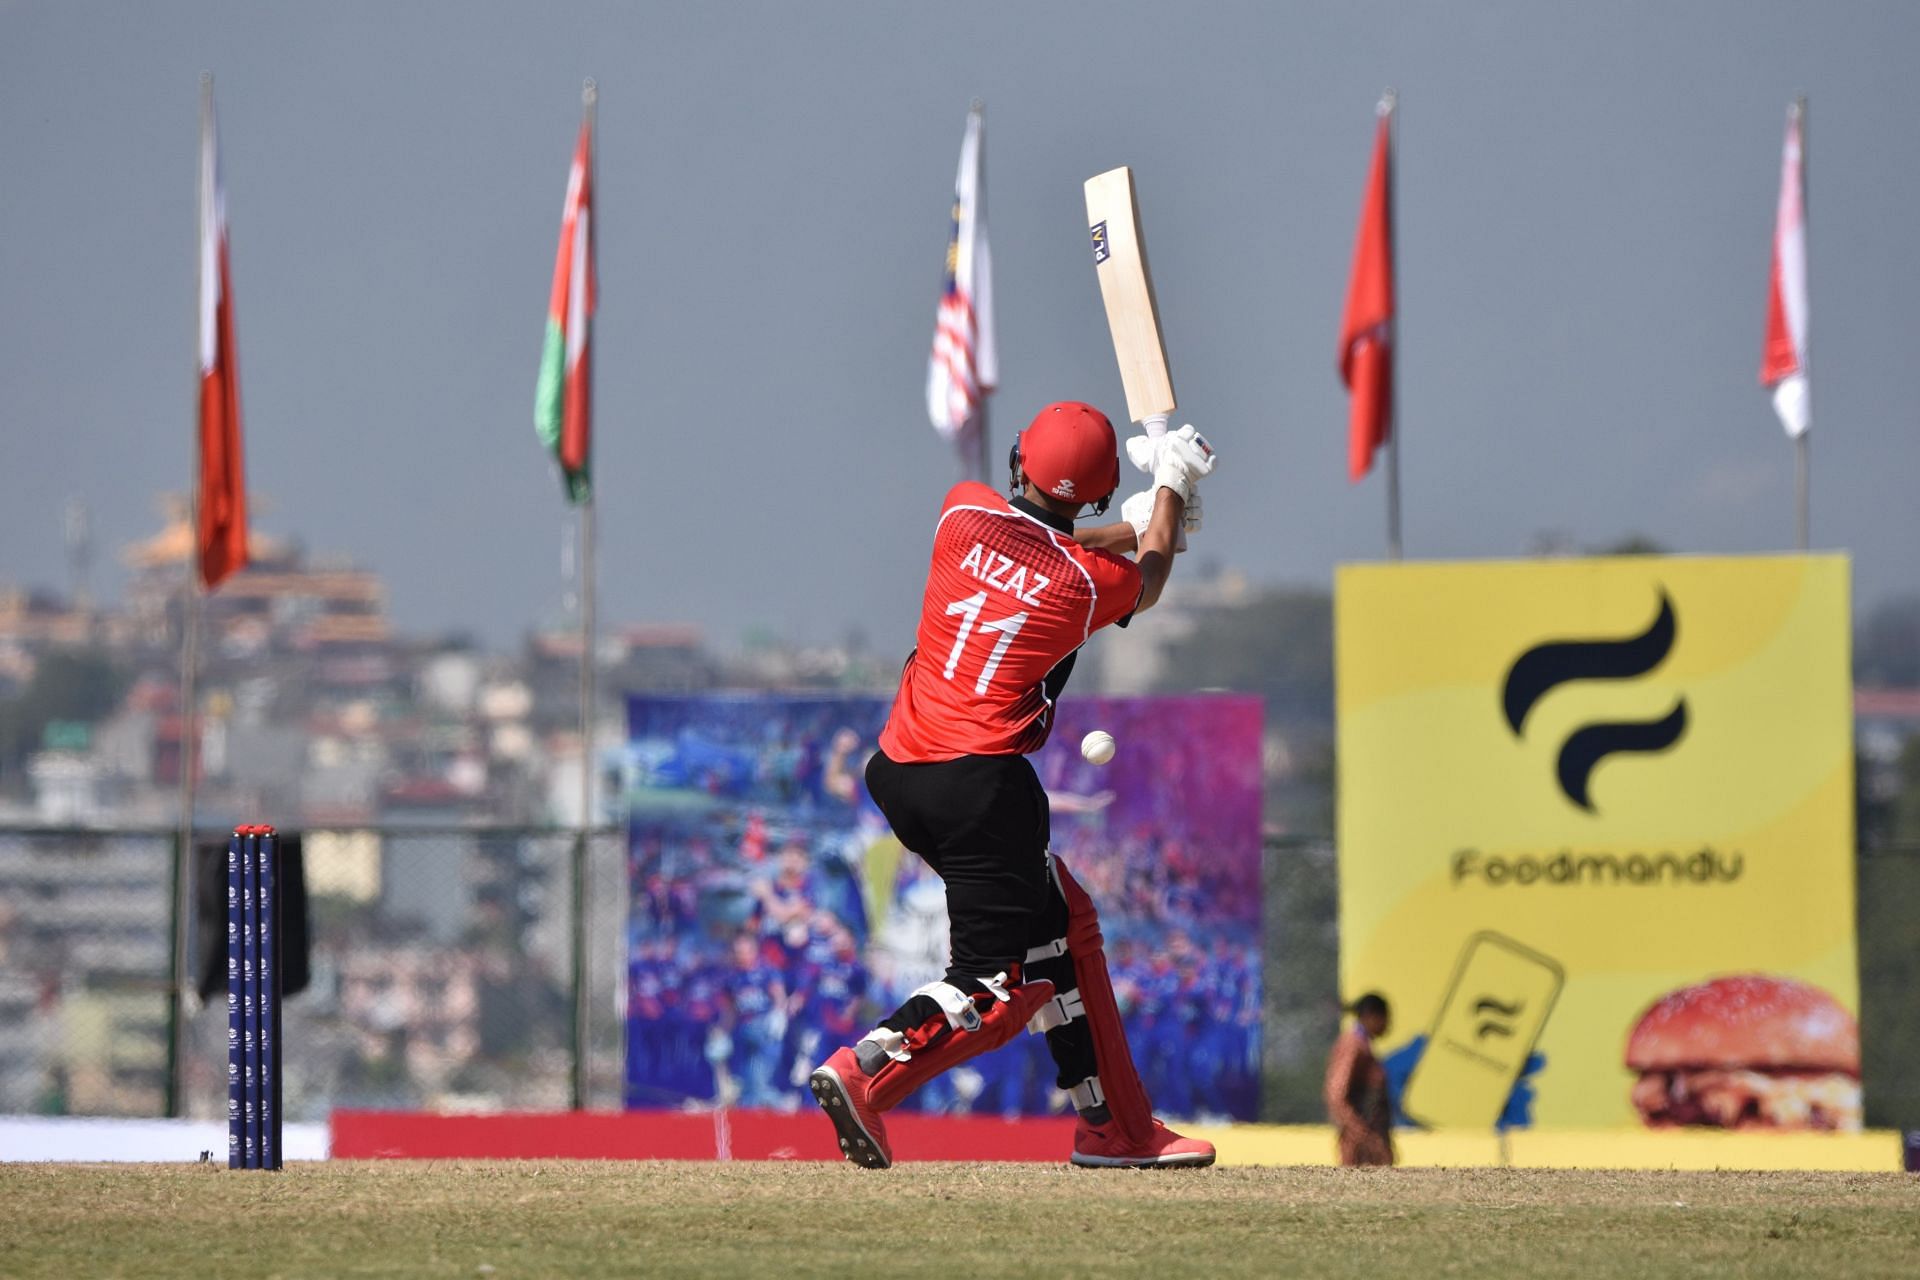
(962,368)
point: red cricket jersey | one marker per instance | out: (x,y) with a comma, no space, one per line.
(1010,599)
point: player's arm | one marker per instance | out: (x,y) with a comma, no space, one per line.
(1340,1082)
(839,781)
(1117,537)
(1136,513)
(1185,458)
(1156,546)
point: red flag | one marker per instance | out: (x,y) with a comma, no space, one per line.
(1366,335)
(1783,361)
(221,539)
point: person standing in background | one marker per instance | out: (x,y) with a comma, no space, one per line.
(1357,1103)
(756,1019)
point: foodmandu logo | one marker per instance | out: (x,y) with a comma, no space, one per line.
(1545,667)
(1495,1018)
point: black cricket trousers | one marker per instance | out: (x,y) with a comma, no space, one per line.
(982,823)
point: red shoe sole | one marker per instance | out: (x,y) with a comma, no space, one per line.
(856,1144)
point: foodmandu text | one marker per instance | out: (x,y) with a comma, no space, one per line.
(1705,865)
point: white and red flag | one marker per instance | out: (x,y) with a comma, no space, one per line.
(220,540)
(962,368)
(1783,362)
(563,402)
(1366,331)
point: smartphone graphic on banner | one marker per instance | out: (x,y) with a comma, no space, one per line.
(1489,1020)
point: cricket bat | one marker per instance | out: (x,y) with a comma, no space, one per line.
(1126,286)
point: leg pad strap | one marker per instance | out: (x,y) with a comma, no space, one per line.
(1088,1094)
(1057,1012)
(1047,951)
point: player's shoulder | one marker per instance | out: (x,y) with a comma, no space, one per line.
(972,493)
(1097,556)
(1102,565)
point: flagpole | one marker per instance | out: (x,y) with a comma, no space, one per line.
(1802,461)
(178,961)
(982,450)
(189,675)
(581,1024)
(981,445)
(1389,107)
(582,1027)
(1800,467)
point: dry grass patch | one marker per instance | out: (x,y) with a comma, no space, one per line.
(553,1218)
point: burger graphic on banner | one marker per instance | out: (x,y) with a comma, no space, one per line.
(1747,1052)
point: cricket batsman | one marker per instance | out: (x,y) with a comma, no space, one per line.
(1012,594)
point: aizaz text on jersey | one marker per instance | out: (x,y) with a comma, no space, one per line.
(992,568)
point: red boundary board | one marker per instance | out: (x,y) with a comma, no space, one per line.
(680,1135)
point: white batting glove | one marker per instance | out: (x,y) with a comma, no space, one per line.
(1185,459)
(1144,451)
(1138,512)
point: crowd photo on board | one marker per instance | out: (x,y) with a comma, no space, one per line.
(774,916)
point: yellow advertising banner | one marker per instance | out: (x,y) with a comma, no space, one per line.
(1596,839)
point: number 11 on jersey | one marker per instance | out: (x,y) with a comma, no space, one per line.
(968,611)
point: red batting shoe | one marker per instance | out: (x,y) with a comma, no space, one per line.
(1102,1147)
(840,1087)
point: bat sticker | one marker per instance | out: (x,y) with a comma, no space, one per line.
(1100,250)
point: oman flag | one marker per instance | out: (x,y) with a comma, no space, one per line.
(1783,361)
(1366,332)
(220,540)
(562,403)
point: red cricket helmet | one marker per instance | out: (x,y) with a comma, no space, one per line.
(1069,451)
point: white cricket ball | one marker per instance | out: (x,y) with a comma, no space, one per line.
(1097,747)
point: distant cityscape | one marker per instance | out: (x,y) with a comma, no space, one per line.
(435,782)
(315,712)
(423,772)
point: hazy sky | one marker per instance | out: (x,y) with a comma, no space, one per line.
(1586,200)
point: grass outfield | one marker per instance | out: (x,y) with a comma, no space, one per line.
(503,1220)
